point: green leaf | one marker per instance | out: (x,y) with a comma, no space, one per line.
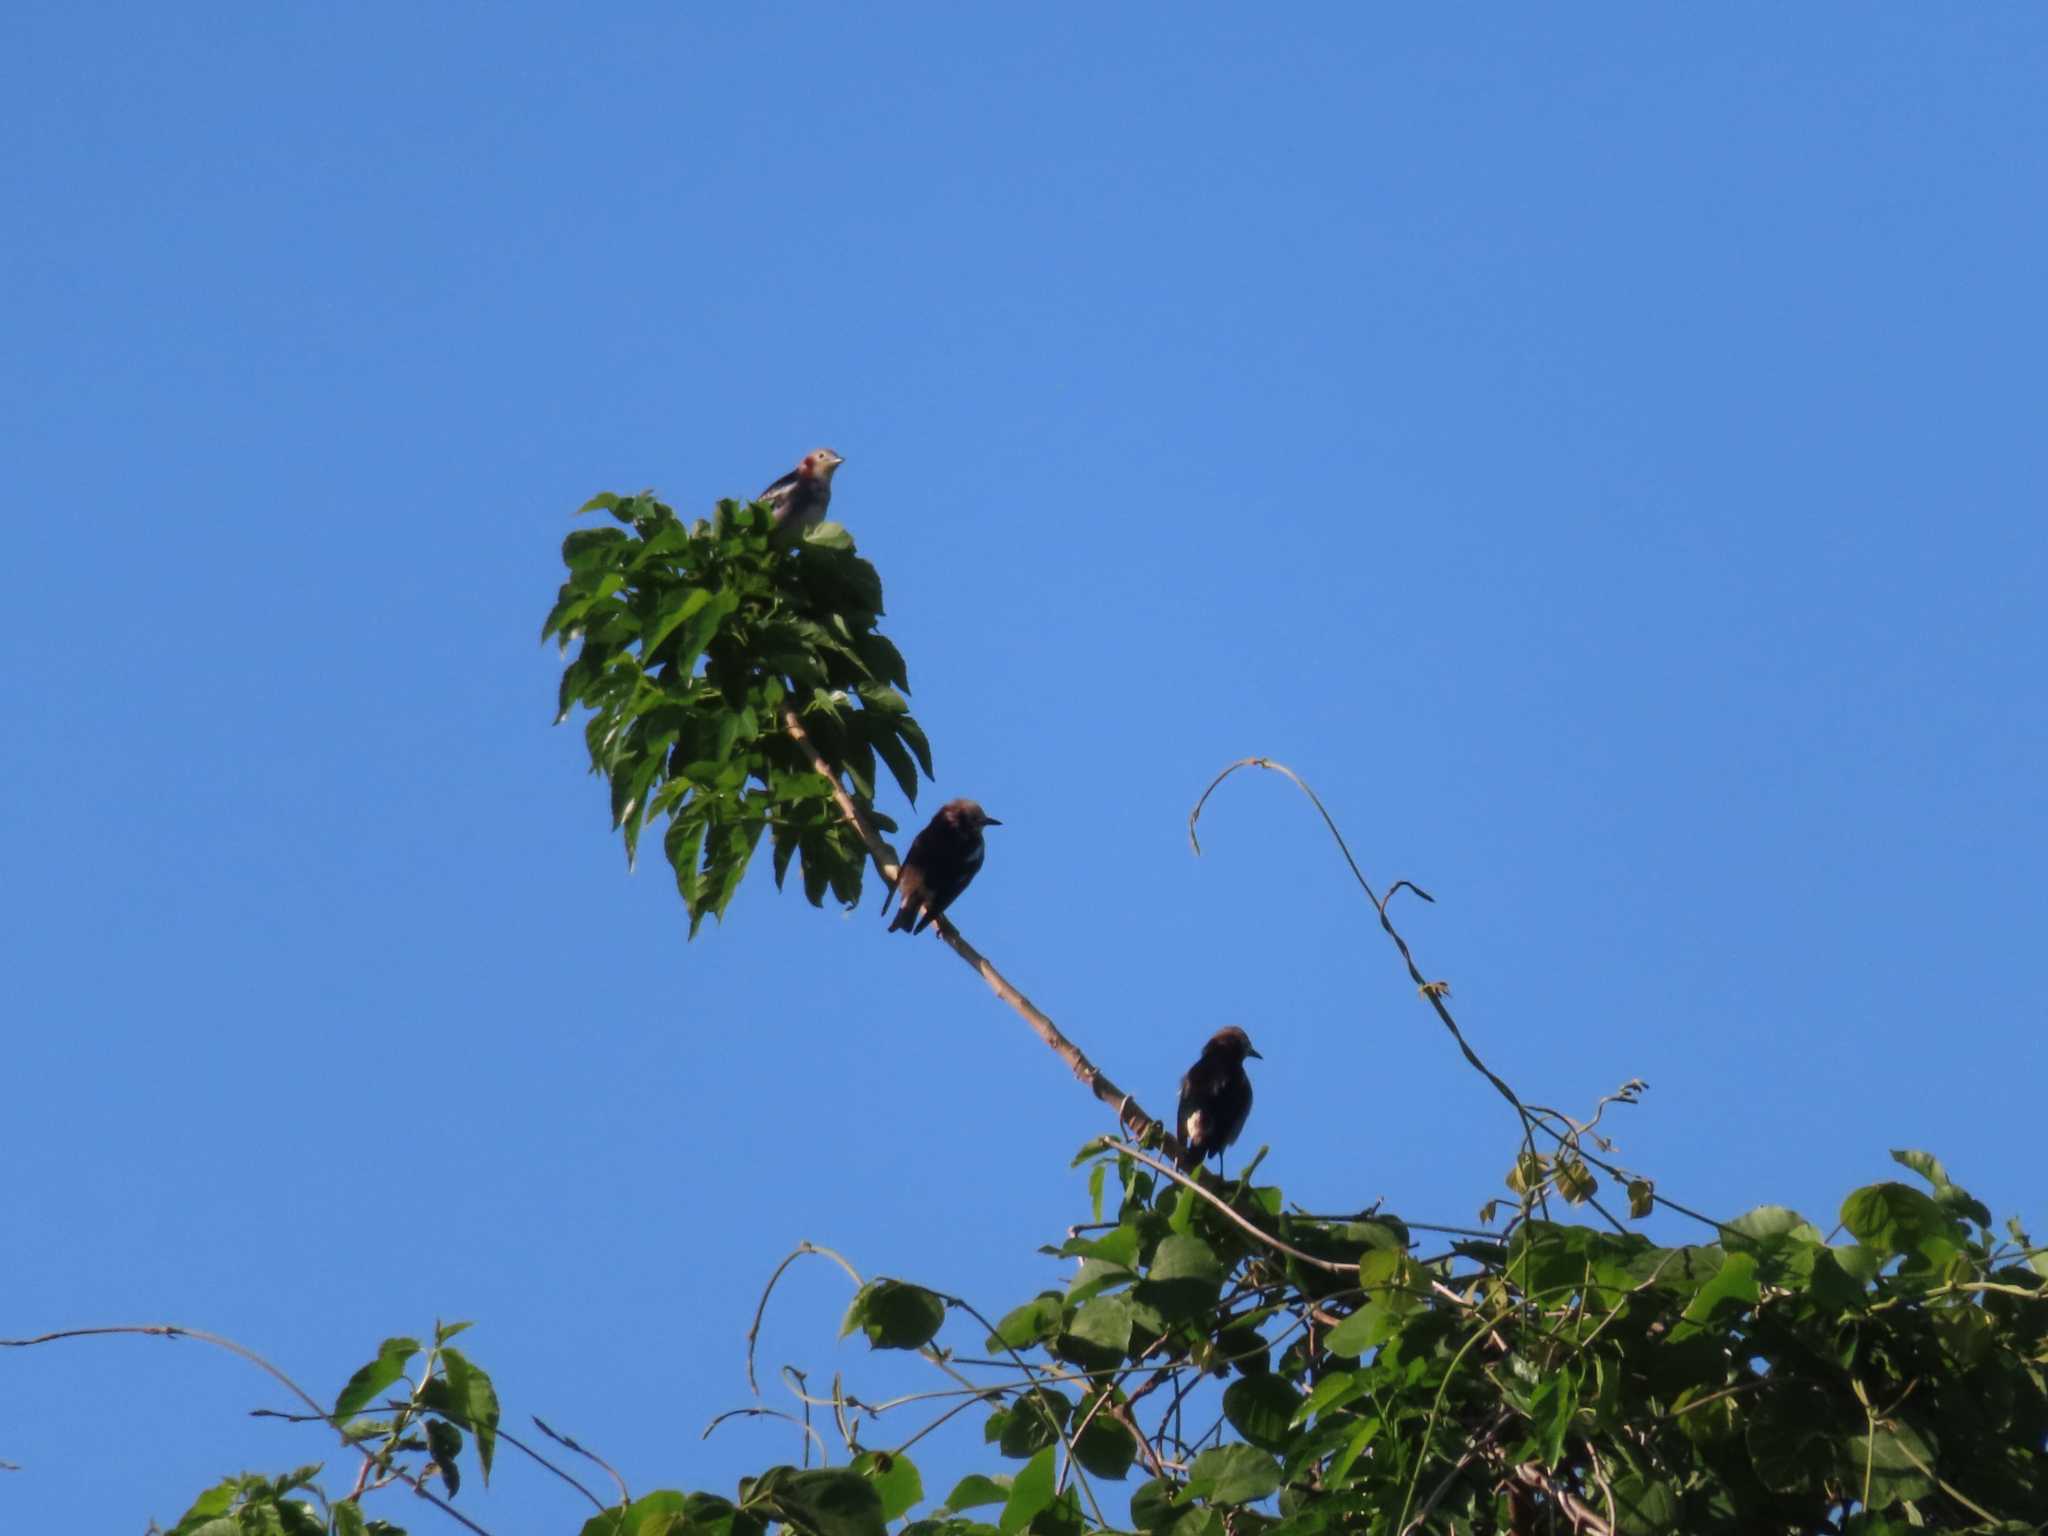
(1788,1436)
(884,741)
(373,1378)
(1897,1458)
(1551,1407)
(1893,1218)
(1646,1505)
(1734,1282)
(1034,1423)
(895,1315)
(1104,1447)
(829,535)
(1341,1464)
(1371,1325)
(1185,1276)
(1033,1323)
(473,1396)
(1772,1221)
(677,605)
(444,1446)
(1236,1474)
(829,1502)
(1333,1391)
(975,1491)
(1030,1493)
(348,1519)
(896,1481)
(643,1513)
(1262,1409)
(1154,1504)
(1947,1193)
(1106,1323)
(594,549)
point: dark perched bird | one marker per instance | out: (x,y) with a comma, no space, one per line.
(943,859)
(1215,1097)
(801,496)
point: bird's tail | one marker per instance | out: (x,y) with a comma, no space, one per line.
(905,915)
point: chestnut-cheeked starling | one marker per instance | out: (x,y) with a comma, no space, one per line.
(800,497)
(943,859)
(1215,1097)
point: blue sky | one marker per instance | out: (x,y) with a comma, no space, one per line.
(1600,448)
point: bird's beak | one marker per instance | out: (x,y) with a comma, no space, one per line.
(1251,1051)
(990,821)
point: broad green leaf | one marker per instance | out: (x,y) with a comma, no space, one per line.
(829,1502)
(643,1512)
(896,1480)
(829,535)
(373,1378)
(1033,1323)
(1034,1422)
(1897,1458)
(895,1315)
(975,1491)
(1262,1409)
(1773,1221)
(1185,1276)
(677,605)
(1333,1391)
(1099,1334)
(1105,1447)
(1031,1492)
(472,1394)
(1947,1193)
(1236,1474)
(1341,1464)
(1893,1218)
(1734,1282)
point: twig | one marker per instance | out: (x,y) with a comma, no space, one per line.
(761,1307)
(581,1450)
(1430,991)
(1267,1238)
(769,1413)
(463,1421)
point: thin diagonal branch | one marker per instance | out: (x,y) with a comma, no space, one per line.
(1130,1115)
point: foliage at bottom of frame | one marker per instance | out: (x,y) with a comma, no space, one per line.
(1257,1371)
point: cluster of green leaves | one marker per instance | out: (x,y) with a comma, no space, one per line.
(692,641)
(1769,1381)
(421,1434)
(1263,1372)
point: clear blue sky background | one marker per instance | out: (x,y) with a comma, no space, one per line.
(1602,448)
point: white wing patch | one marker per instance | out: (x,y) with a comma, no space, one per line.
(1191,1131)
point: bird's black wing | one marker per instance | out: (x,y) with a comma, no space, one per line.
(783,484)
(949,871)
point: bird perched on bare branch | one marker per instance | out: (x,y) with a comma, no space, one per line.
(1215,1097)
(943,859)
(800,497)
